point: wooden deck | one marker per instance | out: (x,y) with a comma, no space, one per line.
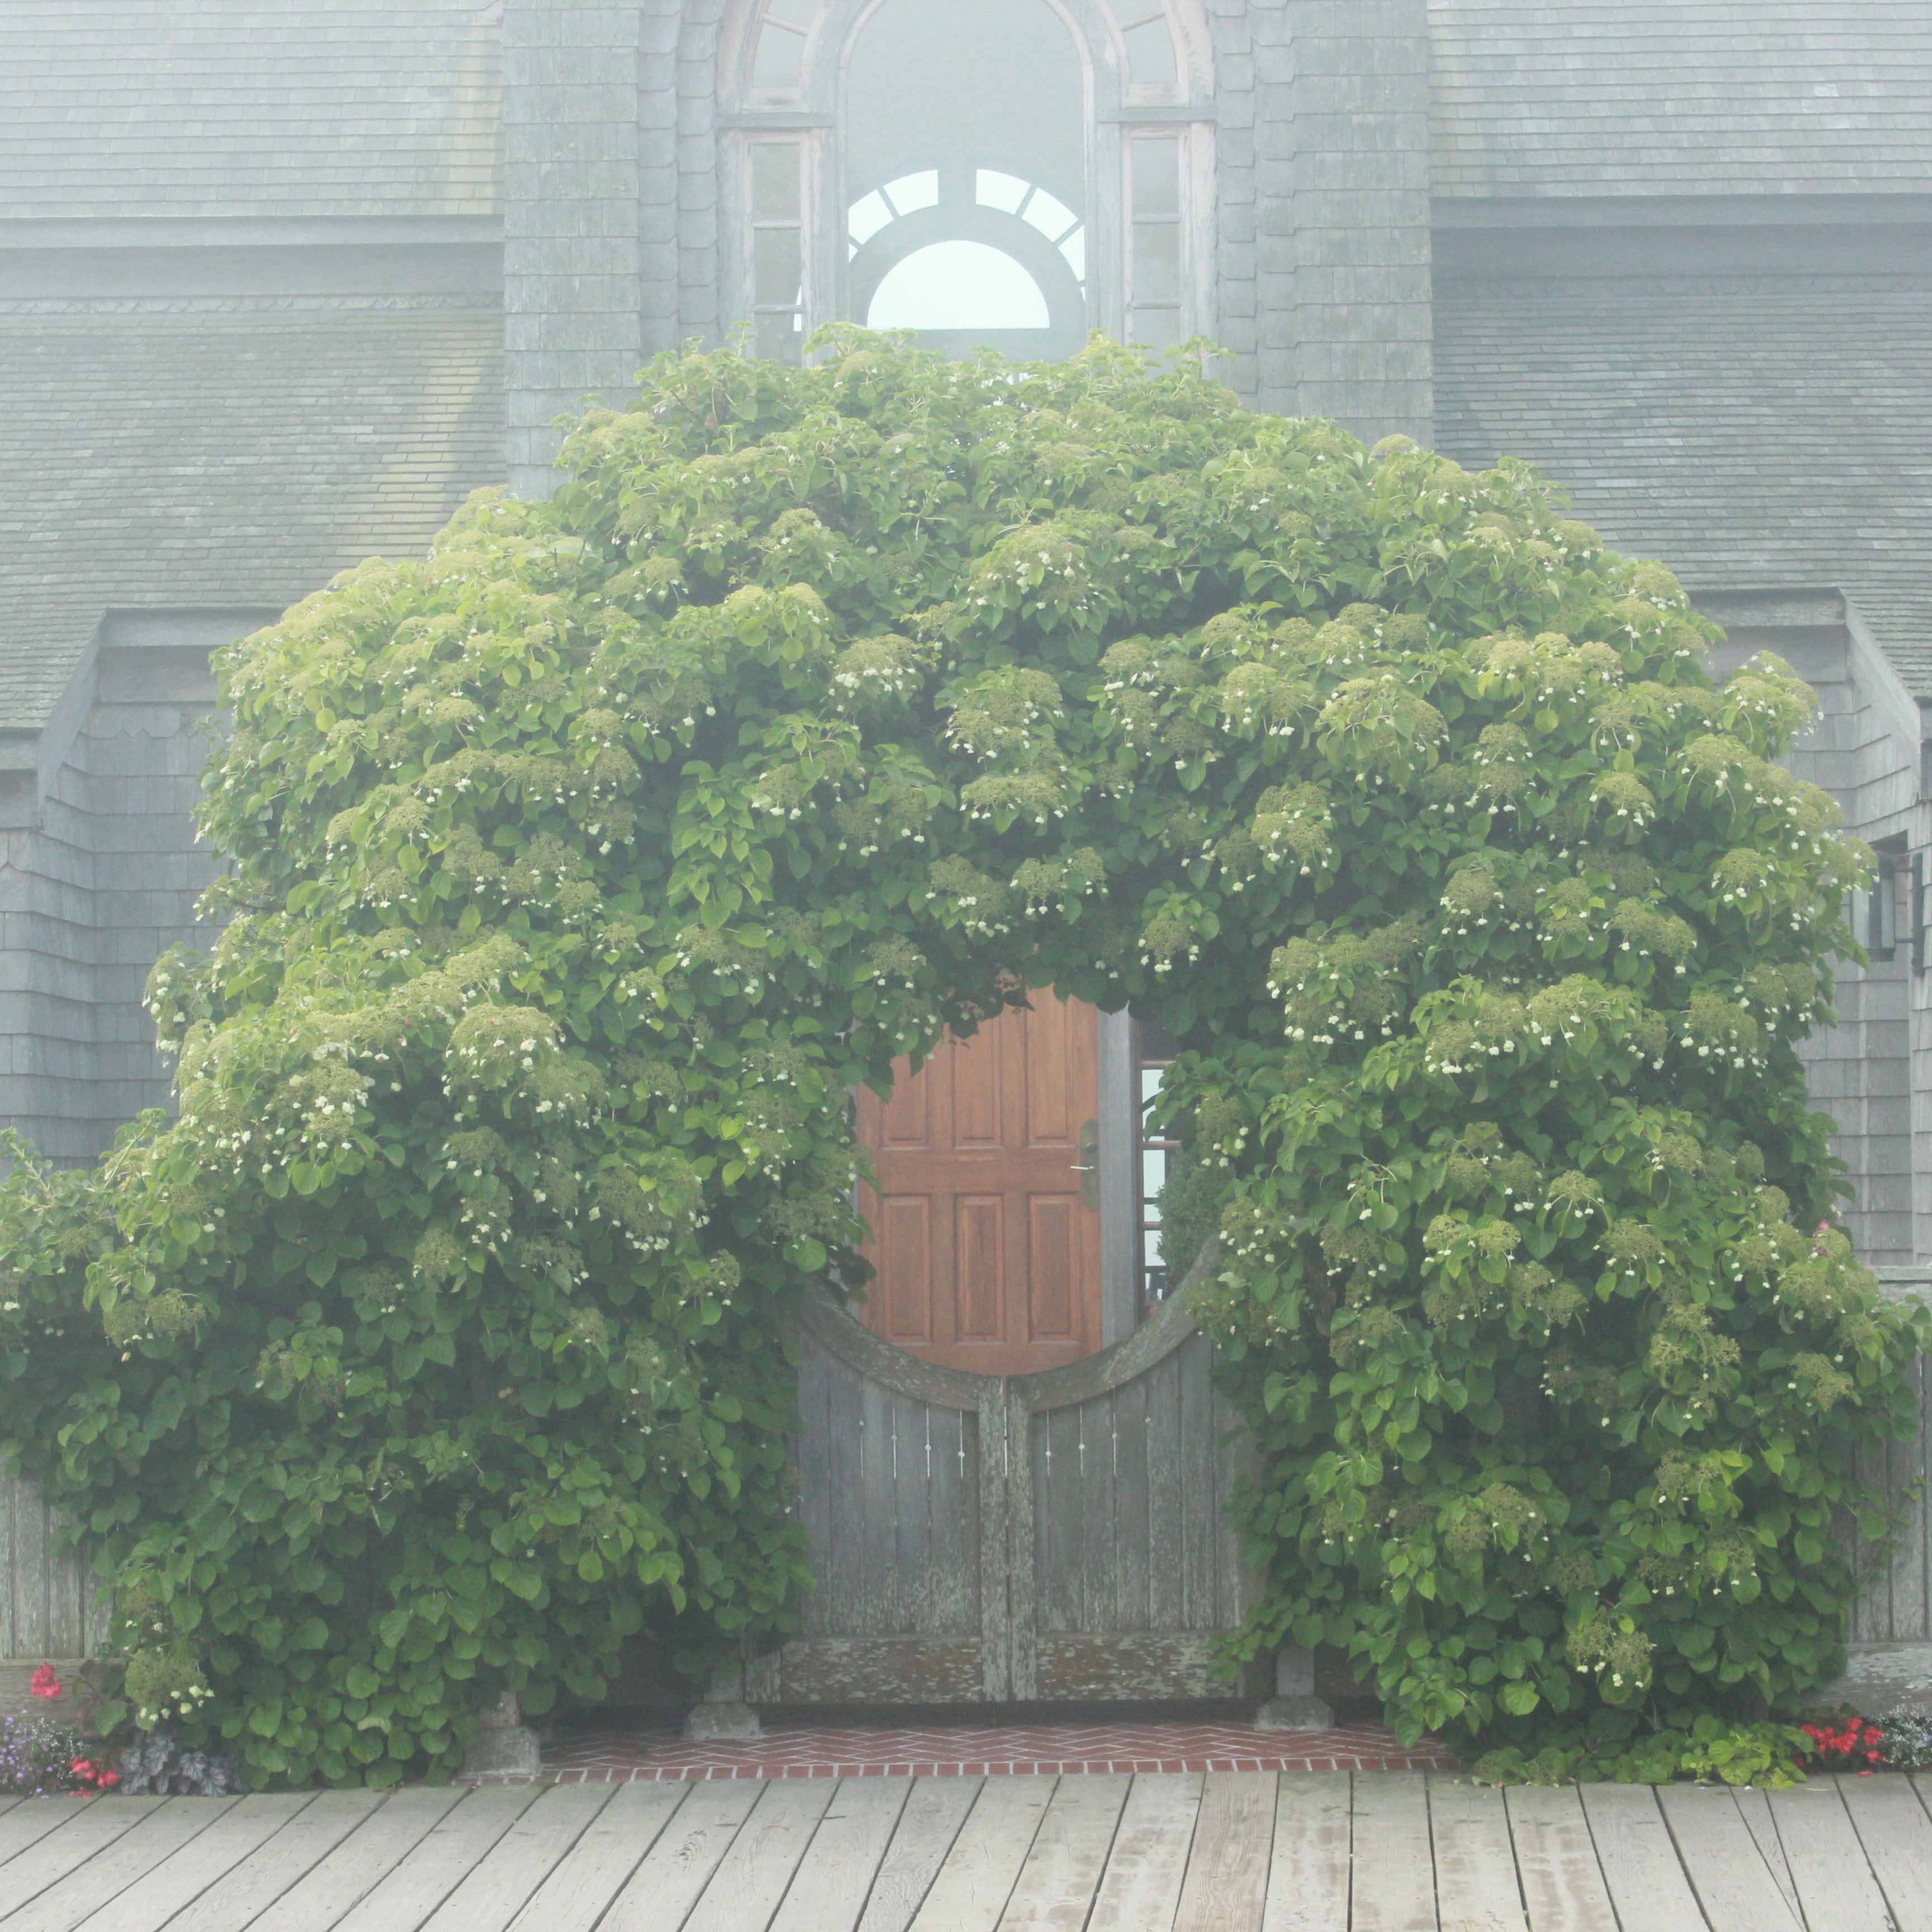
(1227,1852)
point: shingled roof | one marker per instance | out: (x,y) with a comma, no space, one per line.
(1680,97)
(222,457)
(248,107)
(1667,409)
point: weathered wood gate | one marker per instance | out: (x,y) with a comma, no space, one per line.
(1060,1536)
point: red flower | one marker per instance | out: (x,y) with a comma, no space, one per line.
(108,1780)
(46,1682)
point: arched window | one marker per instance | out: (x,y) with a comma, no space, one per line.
(1012,173)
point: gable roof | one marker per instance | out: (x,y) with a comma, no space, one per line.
(1534,97)
(230,455)
(212,108)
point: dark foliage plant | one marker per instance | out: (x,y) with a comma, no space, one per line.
(579,872)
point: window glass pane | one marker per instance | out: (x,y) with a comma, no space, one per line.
(1004,192)
(798,12)
(1154,328)
(1049,214)
(1153,1173)
(777,337)
(913,191)
(774,187)
(1150,54)
(775,277)
(1075,249)
(1156,262)
(958,285)
(1157,178)
(780,55)
(869,214)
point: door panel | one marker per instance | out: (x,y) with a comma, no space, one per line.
(986,1244)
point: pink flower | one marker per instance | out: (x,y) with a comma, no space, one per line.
(46,1682)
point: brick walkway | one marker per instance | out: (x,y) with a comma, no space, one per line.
(1016,1751)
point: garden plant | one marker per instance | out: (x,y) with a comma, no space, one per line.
(576,874)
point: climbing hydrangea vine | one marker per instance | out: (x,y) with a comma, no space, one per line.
(577,873)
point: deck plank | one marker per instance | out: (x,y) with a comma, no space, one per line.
(360,1861)
(1225,1889)
(927,1828)
(1896,1836)
(1563,1888)
(195,1867)
(1647,1885)
(748,1884)
(1476,1889)
(1062,1872)
(1140,1891)
(1394,1879)
(1836,1891)
(90,1826)
(439,1861)
(834,1877)
(977,1875)
(496,1888)
(32,1819)
(679,1866)
(1308,1881)
(573,1898)
(1734,1885)
(130,1859)
(1754,1807)
(239,1898)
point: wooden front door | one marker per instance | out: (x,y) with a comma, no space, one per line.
(986,1221)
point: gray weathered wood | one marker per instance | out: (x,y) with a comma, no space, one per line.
(1062,1872)
(239,1898)
(679,1866)
(1308,1881)
(1896,1835)
(175,1884)
(360,1862)
(977,1877)
(934,1811)
(1476,1888)
(47,1607)
(439,1861)
(1754,1807)
(1836,1890)
(90,1827)
(1647,1885)
(130,1860)
(32,1819)
(573,1898)
(1734,1885)
(1226,1887)
(1394,1878)
(834,1877)
(745,1889)
(1563,1888)
(1148,1864)
(494,1889)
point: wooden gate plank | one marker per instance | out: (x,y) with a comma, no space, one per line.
(1646,1882)
(1754,1808)
(836,1875)
(1836,1890)
(973,1884)
(130,1859)
(174,1885)
(1062,1872)
(495,1888)
(1733,1883)
(439,1862)
(371,1851)
(1897,1837)
(927,1828)
(1141,1890)
(573,1898)
(678,1867)
(89,1826)
(237,1899)
(1563,1888)
(1475,1861)
(1308,1881)
(751,1879)
(1226,1887)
